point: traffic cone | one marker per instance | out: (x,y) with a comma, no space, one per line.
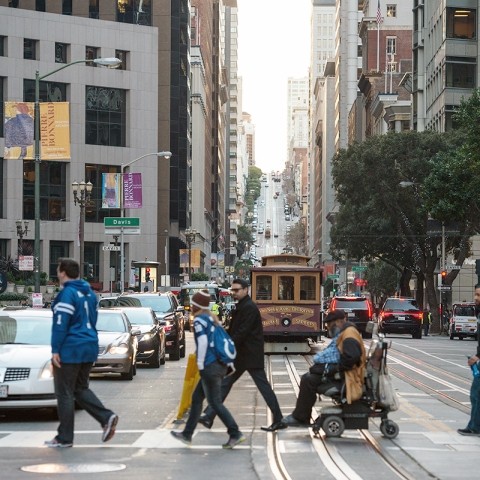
(192,376)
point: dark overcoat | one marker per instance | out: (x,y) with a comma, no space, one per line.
(246,331)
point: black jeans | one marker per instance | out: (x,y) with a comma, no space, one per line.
(311,385)
(71,383)
(260,378)
(209,386)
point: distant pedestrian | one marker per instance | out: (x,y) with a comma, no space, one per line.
(426,322)
(74,349)
(246,331)
(212,373)
(473,427)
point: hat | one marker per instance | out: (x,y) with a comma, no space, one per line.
(201,299)
(334,315)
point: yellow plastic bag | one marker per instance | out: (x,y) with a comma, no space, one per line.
(192,376)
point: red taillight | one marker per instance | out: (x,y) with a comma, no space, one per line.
(418,315)
(370,310)
(332,305)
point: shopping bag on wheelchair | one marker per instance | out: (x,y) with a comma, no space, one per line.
(387,397)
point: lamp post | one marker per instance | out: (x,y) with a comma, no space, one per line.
(81,195)
(22,230)
(106,62)
(190,235)
(164,154)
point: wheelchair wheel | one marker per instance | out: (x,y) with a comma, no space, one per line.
(389,429)
(333,426)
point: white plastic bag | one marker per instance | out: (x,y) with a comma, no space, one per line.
(387,397)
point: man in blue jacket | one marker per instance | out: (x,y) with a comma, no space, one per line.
(74,350)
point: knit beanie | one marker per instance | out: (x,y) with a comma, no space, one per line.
(201,299)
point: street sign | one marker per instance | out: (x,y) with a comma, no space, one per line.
(359,268)
(25,263)
(334,276)
(454,267)
(444,288)
(126,222)
(111,248)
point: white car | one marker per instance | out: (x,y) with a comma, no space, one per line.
(26,376)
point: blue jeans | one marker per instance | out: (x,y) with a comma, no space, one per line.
(210,387)
(260,379)
(71,383)
(474,423)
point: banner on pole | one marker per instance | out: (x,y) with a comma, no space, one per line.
(132,190)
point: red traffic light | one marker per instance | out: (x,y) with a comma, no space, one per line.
(444,273)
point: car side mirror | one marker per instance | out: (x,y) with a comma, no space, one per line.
(136,332)
(180,308)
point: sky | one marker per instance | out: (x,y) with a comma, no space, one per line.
(273,44)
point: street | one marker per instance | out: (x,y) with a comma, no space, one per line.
(430,376)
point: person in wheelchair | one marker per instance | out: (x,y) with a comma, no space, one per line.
(341,363)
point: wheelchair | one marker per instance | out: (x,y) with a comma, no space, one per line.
(341,416)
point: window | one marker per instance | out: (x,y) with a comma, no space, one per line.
(30,49)
(105,116)
(391,11)
(392,45)
(2,106)
(61,52)
(460,72)
(49,91)
(122,55)
(91,53)
(1,191)
(2,45)
(52,190)
(285,287)
(93,10)
(461,23)
(132,11)
(40,5)
(93,212)
(66,7)
(264,287)
(308,288)
(57,250)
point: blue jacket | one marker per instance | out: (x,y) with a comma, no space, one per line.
(203,329)
(74,334)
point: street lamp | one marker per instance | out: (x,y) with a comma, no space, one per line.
(190,235)
(164,154)
(81,196)
(22,230)
(106,62)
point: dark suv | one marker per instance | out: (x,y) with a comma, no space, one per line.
(166,308)
(358,309)
(401,315)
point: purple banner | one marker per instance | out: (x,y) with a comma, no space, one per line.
(132,190)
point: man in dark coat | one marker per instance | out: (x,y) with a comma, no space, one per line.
(246,331)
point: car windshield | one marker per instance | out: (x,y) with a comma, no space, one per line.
(157,303)
(25,330)
(403,305)
(464,311)
(139,316)
(110,322)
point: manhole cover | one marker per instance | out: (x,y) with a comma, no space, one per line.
(74,467)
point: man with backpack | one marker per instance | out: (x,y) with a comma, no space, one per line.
(212,371)
(246,331)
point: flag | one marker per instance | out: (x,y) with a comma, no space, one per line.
(379,14)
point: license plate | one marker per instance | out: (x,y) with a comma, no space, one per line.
(351,314)
(402,318)
(471,320)
(3,391)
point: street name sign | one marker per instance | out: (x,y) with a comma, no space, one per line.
(126,222)
(454,267)
(333,276)
(444,288)
(359,268)
(111,248)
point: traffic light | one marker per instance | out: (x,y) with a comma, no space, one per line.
(443,276)
(147,274)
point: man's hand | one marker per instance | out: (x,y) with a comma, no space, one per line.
(473,359)
(56,360)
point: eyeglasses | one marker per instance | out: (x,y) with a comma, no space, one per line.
(236,289)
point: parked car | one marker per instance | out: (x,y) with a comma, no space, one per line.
(166,307)
(359,311)
(401,315)
(463,322)
(26,375)
(117,344)
(152,339)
